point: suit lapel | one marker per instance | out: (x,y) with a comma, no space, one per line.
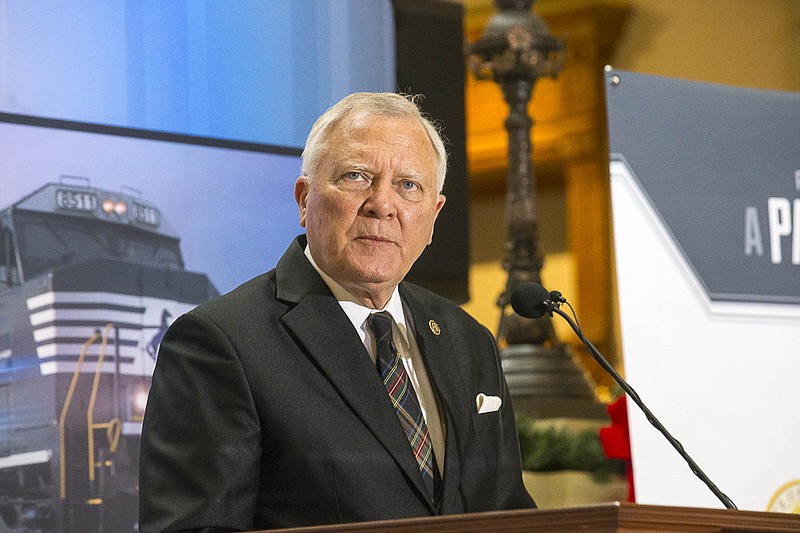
(340,356)
(433,337)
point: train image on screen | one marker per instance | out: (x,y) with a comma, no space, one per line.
(89,281)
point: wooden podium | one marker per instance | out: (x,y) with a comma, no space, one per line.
(605,518)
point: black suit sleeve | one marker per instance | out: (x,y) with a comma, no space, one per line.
(201,446)
(512,493)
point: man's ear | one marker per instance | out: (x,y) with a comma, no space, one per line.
(439,206)
(300,196)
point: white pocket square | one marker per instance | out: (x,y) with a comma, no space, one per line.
(487,404)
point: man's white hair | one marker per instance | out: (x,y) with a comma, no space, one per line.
(381,104)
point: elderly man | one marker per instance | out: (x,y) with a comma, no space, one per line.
(327,390)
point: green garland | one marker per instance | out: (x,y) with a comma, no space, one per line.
(550,450)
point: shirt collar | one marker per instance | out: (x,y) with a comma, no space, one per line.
(355,311)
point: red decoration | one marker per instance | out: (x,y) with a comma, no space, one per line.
(616,439)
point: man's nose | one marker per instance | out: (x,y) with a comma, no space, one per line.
(381,201)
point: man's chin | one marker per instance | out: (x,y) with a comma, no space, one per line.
(372,277)
(378,279)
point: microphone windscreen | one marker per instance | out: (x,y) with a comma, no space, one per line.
(528,300)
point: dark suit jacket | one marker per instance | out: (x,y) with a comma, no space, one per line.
(266,411)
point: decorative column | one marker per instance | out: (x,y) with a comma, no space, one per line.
(515,50)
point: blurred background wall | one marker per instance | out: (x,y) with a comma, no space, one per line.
(734,42)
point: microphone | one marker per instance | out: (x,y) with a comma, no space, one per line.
(557,298)
(531,300)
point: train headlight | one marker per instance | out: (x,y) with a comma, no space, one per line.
(138,403)
(117,207)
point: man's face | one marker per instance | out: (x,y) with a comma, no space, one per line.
(370,207)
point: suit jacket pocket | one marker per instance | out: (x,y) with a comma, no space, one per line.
(485,421)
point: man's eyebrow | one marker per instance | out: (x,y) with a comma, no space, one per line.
(412,174)
(353,164)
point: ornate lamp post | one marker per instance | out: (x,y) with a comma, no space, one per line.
(515,50)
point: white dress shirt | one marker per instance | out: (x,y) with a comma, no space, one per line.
(405,339)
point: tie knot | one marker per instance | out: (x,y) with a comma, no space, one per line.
(381,324)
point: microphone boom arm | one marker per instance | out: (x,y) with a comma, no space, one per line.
(696,470)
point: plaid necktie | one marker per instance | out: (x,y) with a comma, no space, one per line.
(405,402)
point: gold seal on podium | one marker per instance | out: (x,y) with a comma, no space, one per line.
(786,499)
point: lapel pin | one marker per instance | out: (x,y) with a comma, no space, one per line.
(434,327)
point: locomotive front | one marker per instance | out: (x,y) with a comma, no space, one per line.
(89,281)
